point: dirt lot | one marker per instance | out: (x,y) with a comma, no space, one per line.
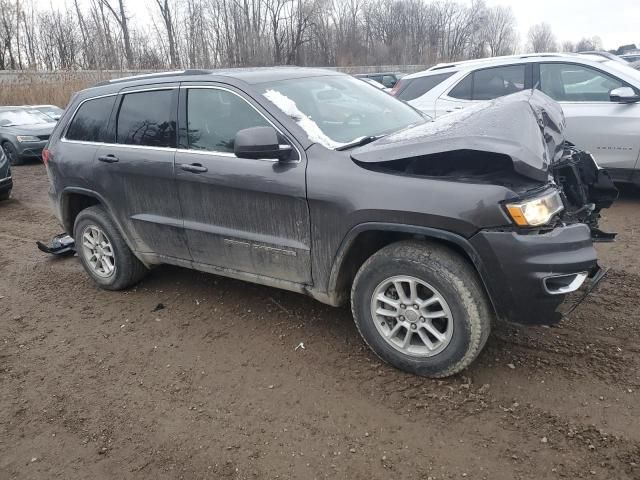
(97,384)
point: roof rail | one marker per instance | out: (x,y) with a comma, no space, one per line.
(153,75)
(607,55)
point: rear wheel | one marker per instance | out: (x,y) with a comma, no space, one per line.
(421,308)
(12,154)
(103,252)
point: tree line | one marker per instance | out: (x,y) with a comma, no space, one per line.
(105,34)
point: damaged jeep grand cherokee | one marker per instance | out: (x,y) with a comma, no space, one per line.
(315,182)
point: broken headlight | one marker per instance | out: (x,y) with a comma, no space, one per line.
(535,211)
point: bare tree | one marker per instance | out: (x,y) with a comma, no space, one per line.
(167,18)
(99,34)
(541,38)
(500,31)
(120,15)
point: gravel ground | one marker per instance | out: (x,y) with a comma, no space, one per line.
(98,384)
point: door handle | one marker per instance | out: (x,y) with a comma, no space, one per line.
(454,109)
(194,168)
(108,158)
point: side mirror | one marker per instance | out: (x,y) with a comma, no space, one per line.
(260,142)
(624,95)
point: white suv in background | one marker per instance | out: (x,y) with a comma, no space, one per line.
(599,93)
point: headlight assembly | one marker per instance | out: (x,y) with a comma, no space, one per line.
(27,138)
(535,211)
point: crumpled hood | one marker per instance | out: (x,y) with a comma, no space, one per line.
(527,126)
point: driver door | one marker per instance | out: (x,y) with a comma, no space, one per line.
(247,215)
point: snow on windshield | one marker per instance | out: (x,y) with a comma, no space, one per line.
(310,127)
(20,117)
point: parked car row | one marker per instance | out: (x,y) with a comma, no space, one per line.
(600,96)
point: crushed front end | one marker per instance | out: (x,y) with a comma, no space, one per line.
(534,268)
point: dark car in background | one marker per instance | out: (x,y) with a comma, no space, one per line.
(6,182)
(24,131)
(388,79)
(311,181)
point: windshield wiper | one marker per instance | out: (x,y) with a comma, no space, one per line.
(360,142)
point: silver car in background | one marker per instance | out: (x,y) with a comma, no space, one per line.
(599,95)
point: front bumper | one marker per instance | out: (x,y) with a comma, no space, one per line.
(30,149)
(524,273)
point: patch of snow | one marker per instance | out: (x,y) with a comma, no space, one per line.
(440,124)
(310,127)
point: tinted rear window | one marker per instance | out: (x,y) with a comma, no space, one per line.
(147,118)
(91,120)
(416,87)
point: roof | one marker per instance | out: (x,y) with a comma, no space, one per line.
(253,75)
(490,61)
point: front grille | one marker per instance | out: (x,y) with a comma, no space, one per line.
(43,137)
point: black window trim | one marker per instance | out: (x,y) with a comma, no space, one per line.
(182,118)
(537,80)
(528,80)
(64,138)
(113,124)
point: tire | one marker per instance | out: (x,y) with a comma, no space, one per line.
(126,271)
(451,290)
(12,154)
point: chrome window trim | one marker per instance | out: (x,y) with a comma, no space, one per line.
(230,154)
(119,145)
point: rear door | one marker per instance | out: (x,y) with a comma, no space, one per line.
(609,130)
(485,84)
(249,215)
(135,171)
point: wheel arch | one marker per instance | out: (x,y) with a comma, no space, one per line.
(365,239)
(75,199)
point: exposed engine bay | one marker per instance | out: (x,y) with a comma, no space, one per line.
(586,190)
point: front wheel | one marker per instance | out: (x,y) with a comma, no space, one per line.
(421,308)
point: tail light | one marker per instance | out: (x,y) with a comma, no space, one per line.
(45,156)
(396,87)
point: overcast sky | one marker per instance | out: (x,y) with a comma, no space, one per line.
(616,22)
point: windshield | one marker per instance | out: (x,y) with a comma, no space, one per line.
(338,110)
(9,118)
(51,112)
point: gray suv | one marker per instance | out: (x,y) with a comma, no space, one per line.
(314,182)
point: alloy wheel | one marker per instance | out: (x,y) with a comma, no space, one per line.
(412,316)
